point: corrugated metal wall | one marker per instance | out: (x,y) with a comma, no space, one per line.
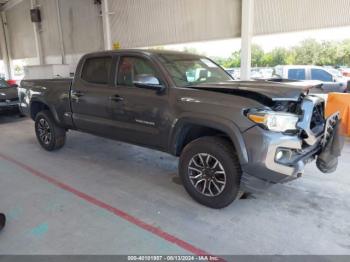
(81,26)
(137,23)
(21,34)
(275,16)
(49,27)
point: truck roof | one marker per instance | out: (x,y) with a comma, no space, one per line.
(143,51)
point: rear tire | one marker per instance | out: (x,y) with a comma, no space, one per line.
(50,136)
(210,171)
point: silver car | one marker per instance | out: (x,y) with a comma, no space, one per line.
(332,82)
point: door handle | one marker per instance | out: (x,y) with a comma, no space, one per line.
(116,98)
(77,93)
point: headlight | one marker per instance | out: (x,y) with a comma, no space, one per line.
(274,121)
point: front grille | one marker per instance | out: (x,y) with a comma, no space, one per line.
(318,117)
(312,123)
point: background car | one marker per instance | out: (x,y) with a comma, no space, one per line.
(345,72)
(332,79)
(8,96)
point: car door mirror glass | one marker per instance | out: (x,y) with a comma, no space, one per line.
(146,80)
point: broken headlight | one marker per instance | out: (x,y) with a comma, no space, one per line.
(274,121)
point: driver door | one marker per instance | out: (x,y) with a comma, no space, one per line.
(140,112)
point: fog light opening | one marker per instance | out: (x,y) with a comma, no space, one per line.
(279,155)
(283,155)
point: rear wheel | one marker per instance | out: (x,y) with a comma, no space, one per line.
(210,171)
(50,136)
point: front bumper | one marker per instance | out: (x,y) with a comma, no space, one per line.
(9,105)
(263,148)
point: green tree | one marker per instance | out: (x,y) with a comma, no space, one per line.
(279,56)
(257,55)
(343,53)
(233,61)
(307,53)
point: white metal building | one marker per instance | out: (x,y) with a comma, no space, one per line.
(70,28)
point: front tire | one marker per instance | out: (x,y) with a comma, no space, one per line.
(50,136)
(210,171)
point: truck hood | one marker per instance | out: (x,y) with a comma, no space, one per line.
(274,91)
(8,93)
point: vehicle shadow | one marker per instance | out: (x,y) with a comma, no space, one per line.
(8,117)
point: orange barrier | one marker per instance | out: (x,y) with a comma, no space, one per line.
(340,102)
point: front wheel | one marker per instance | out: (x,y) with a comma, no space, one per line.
(50,136)
(210,171)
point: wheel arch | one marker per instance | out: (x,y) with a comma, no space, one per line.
(37,105)
(188,129)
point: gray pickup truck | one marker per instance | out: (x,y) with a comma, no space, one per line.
(230,136)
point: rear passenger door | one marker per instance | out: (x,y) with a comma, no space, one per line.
(142,113)
(90,95)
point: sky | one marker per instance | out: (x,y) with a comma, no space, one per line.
(225,48)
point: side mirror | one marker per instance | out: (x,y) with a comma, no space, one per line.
(148,82)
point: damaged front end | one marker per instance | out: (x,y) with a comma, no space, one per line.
(323,133)
(332,145)
(280,147)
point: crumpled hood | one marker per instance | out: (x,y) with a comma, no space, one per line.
(8,93)
(276,91)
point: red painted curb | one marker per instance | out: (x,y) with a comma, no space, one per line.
(152,229)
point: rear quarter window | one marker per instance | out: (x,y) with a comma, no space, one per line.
(97,70)
(296,74)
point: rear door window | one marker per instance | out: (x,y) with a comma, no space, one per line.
(97,70)
(296,74)
(321,75)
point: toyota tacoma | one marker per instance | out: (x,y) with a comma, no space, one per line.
(231,136)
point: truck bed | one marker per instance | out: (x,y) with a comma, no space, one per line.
(47,91)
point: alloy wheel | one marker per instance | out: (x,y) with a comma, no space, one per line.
(207,174)
(44,131)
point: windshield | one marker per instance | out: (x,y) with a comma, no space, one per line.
(187,70)
(3,84)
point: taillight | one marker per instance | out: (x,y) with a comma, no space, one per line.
(11,82)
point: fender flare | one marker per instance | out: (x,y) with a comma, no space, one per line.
(220,124)
(41,101)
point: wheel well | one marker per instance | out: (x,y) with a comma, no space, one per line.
(37,107)
(191,132)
